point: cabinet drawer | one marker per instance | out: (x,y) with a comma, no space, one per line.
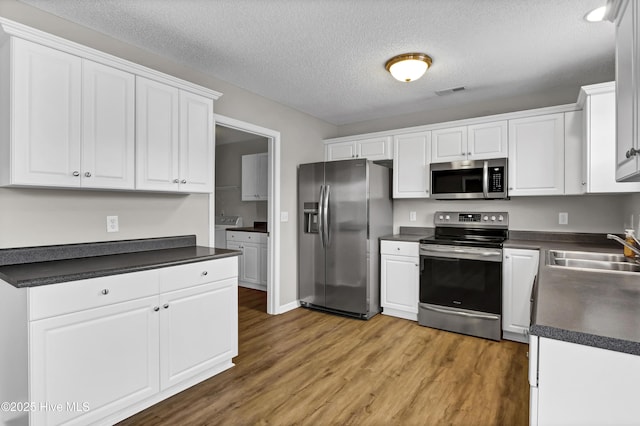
(192,274)
(247,237)
(399,248)
(57,299)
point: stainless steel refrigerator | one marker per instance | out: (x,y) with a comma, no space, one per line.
(343,208)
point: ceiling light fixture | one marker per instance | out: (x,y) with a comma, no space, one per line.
(408,66)
(596,15)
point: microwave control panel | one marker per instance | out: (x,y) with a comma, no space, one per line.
(496,179)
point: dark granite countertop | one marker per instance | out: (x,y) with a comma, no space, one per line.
(248,229)
(35,266)
(411,234)
(599,309)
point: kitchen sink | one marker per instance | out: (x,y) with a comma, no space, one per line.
(608,262)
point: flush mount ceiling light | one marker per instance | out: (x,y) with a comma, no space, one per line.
(596,15)
(408,66)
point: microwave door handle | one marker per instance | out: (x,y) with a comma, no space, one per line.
(485,179)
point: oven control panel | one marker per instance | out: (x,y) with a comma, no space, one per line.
(498,219)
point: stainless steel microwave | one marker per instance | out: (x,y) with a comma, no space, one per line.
(468,179)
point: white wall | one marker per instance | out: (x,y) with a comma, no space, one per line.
(631,213)
(589,213)
(80,216)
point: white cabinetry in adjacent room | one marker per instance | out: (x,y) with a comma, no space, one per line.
(71,120)
(252,263)
(536,155)
(578,385)
(411,159)
(598,104)
(474,142)
(399,279)
(519,270)
(255,176)
(111,346)
(174,148)
(370,148)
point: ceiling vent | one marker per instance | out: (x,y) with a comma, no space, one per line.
(451,91)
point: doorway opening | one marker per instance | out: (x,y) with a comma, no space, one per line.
(235,139)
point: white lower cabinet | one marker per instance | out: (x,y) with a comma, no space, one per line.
(399,279)
(519,270)
(102,349)
(580,385)
(252,264)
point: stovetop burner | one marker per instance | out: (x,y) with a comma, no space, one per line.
(478,229)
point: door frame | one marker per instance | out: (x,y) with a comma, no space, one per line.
(273,191)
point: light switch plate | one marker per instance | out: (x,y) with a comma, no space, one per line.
(284,216)
(112,224)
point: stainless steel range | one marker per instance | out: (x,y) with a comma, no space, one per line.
(461,273)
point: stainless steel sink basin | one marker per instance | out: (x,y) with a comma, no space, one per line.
(609,262)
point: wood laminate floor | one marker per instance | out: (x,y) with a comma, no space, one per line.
(312,368)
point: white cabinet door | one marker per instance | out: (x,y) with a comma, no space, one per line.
(255,176)
(198,329)
(234,245)
(157,136)
(340,151)
(575,181)
(374,149)
(251,260)
(45,116)
(583,385)
(196,143)
(536,155)
(108,127)
(487,140)
(627,90)
(411,160)
(519,269)
(399,286)
(599,163)
(449,144)
(105,357)
(264,256)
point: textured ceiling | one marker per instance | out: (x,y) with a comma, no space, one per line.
(326,57)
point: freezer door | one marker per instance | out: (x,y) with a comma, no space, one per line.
(346,235)
(311,259)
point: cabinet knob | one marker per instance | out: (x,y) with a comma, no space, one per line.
(166,306)
(76,173)
(397,248)
(105,291)
(87,174)
(427,191)
(510,189)
(506,257)
(584,183)
(176,181)
(632,152)
(204,273)
(183,181)
(156,308)
(468,153)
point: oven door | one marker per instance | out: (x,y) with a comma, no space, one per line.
(468,278)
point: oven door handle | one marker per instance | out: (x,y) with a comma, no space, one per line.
(462,314)
(490,255)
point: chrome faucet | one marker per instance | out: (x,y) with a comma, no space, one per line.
(626,244)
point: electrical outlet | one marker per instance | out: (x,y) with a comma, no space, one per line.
(112,224)
(563,218)
(412,216)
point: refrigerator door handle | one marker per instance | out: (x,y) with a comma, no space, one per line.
(321,216)
(325,215)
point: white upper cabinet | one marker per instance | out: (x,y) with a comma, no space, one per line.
(73,121)
(627,90)
(536,155)
(575,181)
(45,130)
(71,116)
(371,149)
(473,142)
(255,176)
(108,127)
(599,129)
(411,165)
(196,143)
(174,148)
